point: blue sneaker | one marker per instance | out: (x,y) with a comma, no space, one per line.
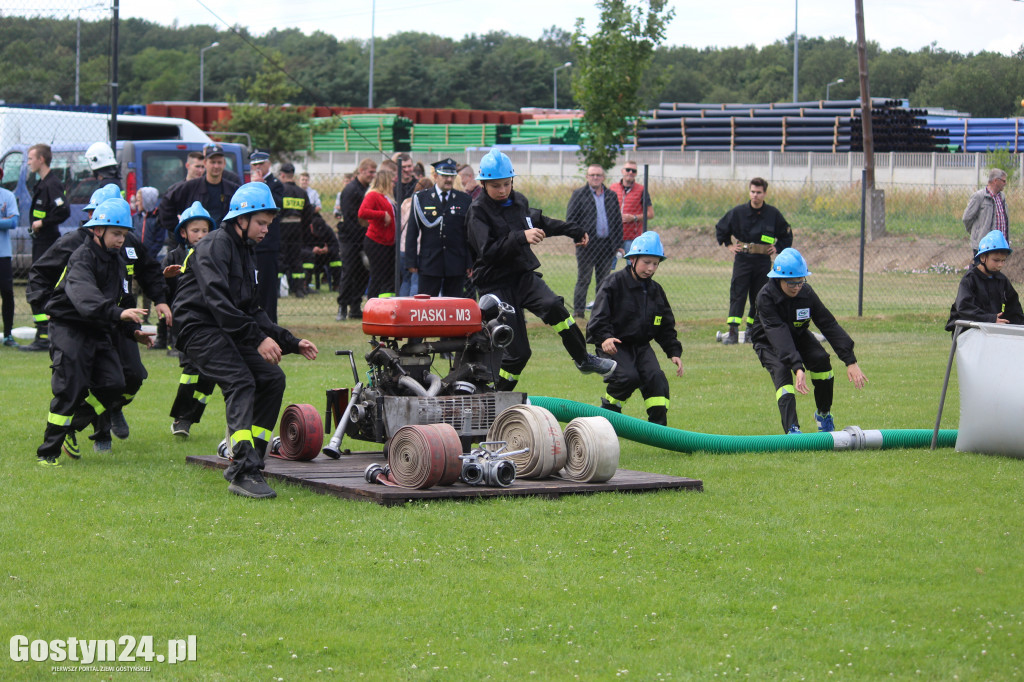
(825,422)
(794,429)
(70,446)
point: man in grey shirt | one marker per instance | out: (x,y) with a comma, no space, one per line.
(986,211)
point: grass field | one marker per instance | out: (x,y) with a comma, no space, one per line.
(850,565)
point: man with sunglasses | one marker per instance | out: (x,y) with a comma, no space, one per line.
(787,348)
(634,201)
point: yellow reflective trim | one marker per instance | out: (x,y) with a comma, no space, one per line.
(184,263)
(200,397)
(298,275)
(750,320)
(61,278)
(733,320)
(41,317)
(785,390)
(188,378)
(293,203)
(656,401)
(563,325)
(767,240)
(657,320)
(36,213)
(261,433)
(90,399)
(508,375)
(241,436)
(306,266)
(613,401)
(131,269)
(821,375)
(386,295)
(58,419)
(334,264)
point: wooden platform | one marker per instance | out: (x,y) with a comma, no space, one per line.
(344,478)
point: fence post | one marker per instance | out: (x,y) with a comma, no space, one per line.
(696,163)
(934,173)
(732,164)
(863,210)
(977,168)
(810,168)
(892,169)
(771,166)
(661,161)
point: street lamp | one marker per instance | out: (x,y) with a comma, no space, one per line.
(835,82)
(557,69)
(202,65)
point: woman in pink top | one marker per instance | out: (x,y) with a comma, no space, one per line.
(378,209)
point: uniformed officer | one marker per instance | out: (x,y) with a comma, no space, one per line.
(85,315)
(760,232)
(269,250)
(435,243)
(296,216)
(49,210)
(230,339)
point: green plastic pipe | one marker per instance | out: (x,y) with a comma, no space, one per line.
(678,440)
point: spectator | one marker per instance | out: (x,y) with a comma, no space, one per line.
(268,250)
(378,210)
(760,232)
(986,210)
(418,171)
(314,196)
(8,221)
(468,179)
(296,217)
(633,198)
(595,209)
(351,231)
(408,180)
(410,278)
(146,225)
(213,190)
(195,166)
(436,247)
(49,210)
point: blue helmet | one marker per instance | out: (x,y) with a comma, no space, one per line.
(495,166)
(194,212)
(788,265)
(252,197)
(647,244)
(109,191)
(993,241)
(112,213)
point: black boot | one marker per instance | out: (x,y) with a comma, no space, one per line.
(658,414)
(244,474)
(608,405)
(734,336)
(42,340)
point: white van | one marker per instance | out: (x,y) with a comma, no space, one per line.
(57,127)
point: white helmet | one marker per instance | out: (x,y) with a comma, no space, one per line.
(100,155)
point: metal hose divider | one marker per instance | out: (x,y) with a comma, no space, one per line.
(678,440)
(535,428)
(592,450)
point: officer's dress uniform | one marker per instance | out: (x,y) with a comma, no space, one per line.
(756,230)
(504,264)
(784,343)
(635,311)
(50,206)
(438,225)
(84,317)
(220,328)
(296,215)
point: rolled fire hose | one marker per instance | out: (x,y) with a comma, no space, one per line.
(535,428)
(424,455)
(677,440)
(592,450)
(302,434)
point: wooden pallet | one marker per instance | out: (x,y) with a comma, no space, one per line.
(344,478)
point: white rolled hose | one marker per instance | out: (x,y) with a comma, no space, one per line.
(592,450)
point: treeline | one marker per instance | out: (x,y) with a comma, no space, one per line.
(491,71)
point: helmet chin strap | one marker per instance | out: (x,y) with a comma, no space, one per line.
(245,232)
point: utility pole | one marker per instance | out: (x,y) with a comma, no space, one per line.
(874,200)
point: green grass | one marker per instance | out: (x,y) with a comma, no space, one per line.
(852,565)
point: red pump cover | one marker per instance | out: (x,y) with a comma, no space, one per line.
(421,316)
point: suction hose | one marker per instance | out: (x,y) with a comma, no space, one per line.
(677,440)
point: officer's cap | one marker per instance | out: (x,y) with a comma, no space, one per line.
(445,167)
(259,157)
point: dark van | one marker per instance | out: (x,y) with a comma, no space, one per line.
(158,164)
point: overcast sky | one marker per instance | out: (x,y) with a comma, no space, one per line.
(955,25)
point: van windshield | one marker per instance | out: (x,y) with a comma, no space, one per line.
(163,167)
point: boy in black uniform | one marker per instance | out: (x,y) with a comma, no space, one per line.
(230,339)
(296,216)
(985,294)
(321,250)
(785,345)
(49,210)
(435,243)
(43,277)
(502,227)
(194,389)
(760,232)
(630,310)
(84,314)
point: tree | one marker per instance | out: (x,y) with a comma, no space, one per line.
(266,115)
(609,67)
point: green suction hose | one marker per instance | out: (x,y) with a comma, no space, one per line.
(677,440)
